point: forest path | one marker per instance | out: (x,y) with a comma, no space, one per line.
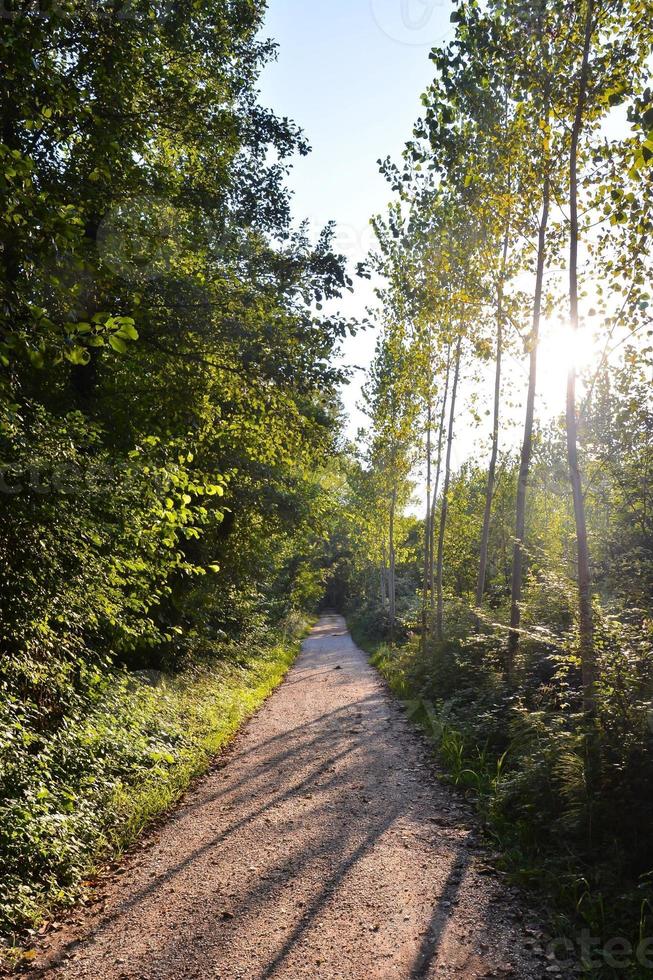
(320,846)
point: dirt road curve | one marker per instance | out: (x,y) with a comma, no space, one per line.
(321,847)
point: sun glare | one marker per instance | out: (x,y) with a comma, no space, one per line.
(560,350)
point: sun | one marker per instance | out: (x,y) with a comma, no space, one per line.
(560,349)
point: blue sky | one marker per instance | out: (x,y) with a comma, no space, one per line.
(350,73)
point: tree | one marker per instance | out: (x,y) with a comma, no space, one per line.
(586,629)
(166,373)
(391,407)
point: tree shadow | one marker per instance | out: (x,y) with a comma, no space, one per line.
(355,795)
(440,918)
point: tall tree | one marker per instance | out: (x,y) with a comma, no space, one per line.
(438,474)
(585,620)
(491,476)
(439,615)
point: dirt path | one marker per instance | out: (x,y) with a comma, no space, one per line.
(322,847)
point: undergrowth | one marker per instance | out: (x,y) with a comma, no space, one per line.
(587,849)
(73,798)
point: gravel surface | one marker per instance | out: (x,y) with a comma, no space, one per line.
(321,845)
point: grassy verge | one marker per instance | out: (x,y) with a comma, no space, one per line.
(603,921)
(73,800)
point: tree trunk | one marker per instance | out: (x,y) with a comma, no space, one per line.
(586,625)
(438,471)
(427,519)
(392,595)
(527,444)
(489,490)
(439,621)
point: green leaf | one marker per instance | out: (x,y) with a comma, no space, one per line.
(78,355)
(127,331)
(36,359)
(118,344)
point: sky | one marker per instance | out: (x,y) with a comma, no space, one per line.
(350,73)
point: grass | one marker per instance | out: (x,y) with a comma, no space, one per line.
(211,708)
(90,790)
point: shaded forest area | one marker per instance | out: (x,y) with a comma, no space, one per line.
(516,614)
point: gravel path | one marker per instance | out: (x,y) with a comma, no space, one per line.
(320,846)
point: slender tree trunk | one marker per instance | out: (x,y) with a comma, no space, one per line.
(392,595)
(586,625)
(427,518)
(439,620)
(489,490)
(438,472)
(527,444)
